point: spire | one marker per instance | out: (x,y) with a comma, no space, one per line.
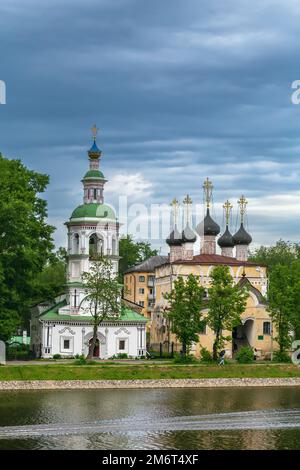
(94,153)
(225,242)
(94,180)
(174,240)
(207,187)
(242,202)
(188,235)
(242,238)
(208,229)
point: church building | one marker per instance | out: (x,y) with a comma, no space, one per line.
(65,327)
(256,329)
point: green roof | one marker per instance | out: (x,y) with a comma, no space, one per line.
(94,174)
(93,210)
(127,315)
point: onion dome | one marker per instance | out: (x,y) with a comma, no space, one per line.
(175,238)
(208,226)
(241,237)
(226,240)
(188,235)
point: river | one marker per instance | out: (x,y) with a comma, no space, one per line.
(229,418)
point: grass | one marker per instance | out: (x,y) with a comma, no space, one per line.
(143,371)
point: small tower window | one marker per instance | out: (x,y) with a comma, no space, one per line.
(95,193)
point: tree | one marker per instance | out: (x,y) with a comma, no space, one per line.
(102,298)
(132,253)
(226,303)
(184,313)
(50,281)
(284,302)
(283,253)
(25,240)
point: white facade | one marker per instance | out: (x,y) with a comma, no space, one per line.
(65,328)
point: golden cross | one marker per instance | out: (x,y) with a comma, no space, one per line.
(227,207)
(242,203)
(187,202)
(94,130)
(208,187)
(175,205)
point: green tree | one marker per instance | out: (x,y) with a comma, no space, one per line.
(283,253)
(51,280)
(132,253)
(25,240)
(184,312)
(226,303)
(103,295)
(284,302)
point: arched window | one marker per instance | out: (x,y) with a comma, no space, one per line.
(114,246)
(75,248)
(93,245)
(96,245)
(267,328)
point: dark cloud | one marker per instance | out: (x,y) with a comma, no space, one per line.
(181,91)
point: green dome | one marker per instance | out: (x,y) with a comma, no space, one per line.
(94,174)
(92,210)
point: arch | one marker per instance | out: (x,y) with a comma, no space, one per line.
(114,245)
(75,244)
(96,244)
(100,337)
(102,346)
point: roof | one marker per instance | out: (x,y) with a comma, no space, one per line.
(127,315)
(244,282)
(208,226)
(216,259)
(93,210)
(226,240)
(94,174)
(242,237)
(149,265)
(94,148)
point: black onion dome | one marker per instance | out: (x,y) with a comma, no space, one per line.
(226,240)
(188,235)
(208,226)
(241,237)
(175,238)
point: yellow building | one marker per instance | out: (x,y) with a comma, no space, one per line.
(256,325)
(139,286)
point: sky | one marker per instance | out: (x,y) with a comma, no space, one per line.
(180,89)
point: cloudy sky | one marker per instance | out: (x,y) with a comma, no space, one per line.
(181,90)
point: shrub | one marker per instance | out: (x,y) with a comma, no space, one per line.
(187,359)
(56,356)
(245,355)
(122,356)
(205,355)
(281,356)
(80,361)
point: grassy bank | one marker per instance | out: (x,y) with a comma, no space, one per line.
(136,372)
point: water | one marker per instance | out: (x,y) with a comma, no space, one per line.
(229,418)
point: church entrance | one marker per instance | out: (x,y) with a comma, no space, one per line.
(242,336)
(96,352)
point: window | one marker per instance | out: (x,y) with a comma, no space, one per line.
(141,303)
(122,344)
(267,328)
(203,329)
(141,291)
(141,278)
(66,344)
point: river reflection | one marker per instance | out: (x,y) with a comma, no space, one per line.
(229,418)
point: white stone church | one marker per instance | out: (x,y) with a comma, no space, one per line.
(65,327)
